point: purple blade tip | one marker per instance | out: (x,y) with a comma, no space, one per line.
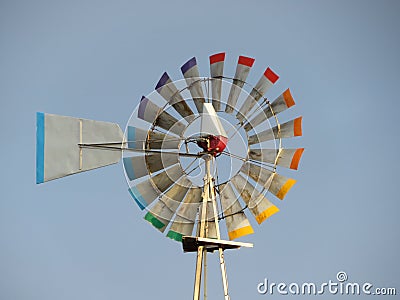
(142,107)
(163,80)
(188,65)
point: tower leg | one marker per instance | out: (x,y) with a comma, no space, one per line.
(202,229)
(205,274)
(197,279)
(223,273)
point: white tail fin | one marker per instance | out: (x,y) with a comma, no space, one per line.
(58,150)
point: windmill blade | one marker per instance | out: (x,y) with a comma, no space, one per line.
(168,90)
(266,81)
(159,161)
(145,192)
(191,73)
(288,158)
(136,138)
(186,215)
(135,167)
(167,178)
(161,213)
(139,166)
(58,151)
(258,204)
(236,221)
(158,140)
(280,104)
(142,139)
(216,71)
(242,71)
(150,112)
(276,184)
(285,130)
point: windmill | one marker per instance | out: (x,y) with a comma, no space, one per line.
(197,153)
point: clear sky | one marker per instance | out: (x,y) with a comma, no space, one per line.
(83,237)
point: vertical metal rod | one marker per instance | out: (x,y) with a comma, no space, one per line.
(80,148)
(205,274)
(197,280)
(203,216)
(223,273)
(220,250)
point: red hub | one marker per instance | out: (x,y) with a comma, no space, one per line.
(213,144)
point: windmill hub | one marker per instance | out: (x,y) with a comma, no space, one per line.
(213,144)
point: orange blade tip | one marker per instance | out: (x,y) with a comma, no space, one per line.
(297,126)
(287,96)
(296,158)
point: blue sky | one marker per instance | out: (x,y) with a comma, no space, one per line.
(82,237)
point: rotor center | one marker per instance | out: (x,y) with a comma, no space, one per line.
(212,144)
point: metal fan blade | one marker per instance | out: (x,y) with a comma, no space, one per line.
(191,73)
(139,166)
(236,221)
(276,184)
(161,213)
(135,167)
(186,215)
(157,140)
(257,203)
(167,89)
(262,86)
(216,71)
(143,193)
(280,104)
(242,71)
(288,158)
(150,112)
(285,130)
(136,138)
(157,161)
(146,191)
(167,178)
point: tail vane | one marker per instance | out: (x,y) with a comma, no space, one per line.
(67,145)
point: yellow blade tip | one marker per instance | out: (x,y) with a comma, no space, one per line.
(240,232)
(285,188)
(266,214)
